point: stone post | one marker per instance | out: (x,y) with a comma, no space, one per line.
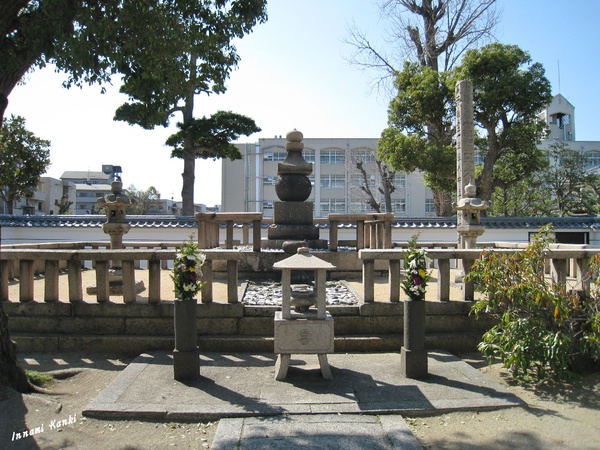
(413,356)
(186,361)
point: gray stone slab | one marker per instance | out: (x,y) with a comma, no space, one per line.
(310,431)
(243,385)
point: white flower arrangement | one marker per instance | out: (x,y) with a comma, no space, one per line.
(417,277)
(186,274)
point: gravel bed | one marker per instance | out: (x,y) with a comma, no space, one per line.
(267,293)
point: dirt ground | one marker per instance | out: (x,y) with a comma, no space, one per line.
(561,416)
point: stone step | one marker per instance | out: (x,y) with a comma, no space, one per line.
(133,345)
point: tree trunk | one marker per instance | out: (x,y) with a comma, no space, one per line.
(11,373)
(443,203)
(187,191)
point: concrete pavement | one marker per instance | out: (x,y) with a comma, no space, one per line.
(361,407)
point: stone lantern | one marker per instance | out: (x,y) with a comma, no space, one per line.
(469,228)
(303,330)
(469,208)
(116,226)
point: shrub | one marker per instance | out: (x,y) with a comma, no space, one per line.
(543,331)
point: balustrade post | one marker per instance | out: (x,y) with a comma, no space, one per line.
(360,234)
(333,235)
(228,235)
(232,281)
(51,281)
(207,277)
(75,284)
(214,234)
(468,286)
(559,272)
(26,280)
(256,235)
(444,279)
(153,281)
(129,291)
(369,280)
(102,282)
(4,280)
(388,231)
(583,275)
(245,234)
(394,280)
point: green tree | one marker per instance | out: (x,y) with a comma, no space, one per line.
(527,197)
(570,185)
(157,46)
(143,201)
(420,128)
(508,93)
(433,34)
(208,137)
(188,50)
(23,159)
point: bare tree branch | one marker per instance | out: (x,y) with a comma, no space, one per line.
(371,200)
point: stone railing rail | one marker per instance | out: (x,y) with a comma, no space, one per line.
(39,265)
(558,257)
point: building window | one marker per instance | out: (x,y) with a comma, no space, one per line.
(333,205)
(400,180)
(333,157)
(399,206)
(275,156)
(269,181)
(365,156)
(333,181)
(309,155)
(592,159)
(360,208)
(429,206)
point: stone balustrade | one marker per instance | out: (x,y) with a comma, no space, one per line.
(558,257)
(567,264)
(372,230)
(23,261)
(208,228)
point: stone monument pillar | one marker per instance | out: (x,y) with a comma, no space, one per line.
(468,206)
(293,226)
(465,142)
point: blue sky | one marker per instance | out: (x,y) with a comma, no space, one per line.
(293,74)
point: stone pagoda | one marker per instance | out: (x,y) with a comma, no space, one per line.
(293,225)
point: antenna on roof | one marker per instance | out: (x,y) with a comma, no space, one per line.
(558,63)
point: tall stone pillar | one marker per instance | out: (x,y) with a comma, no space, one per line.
(468,206)
(465,143)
